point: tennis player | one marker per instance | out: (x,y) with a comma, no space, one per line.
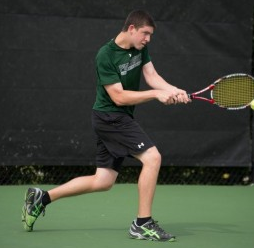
(119,64)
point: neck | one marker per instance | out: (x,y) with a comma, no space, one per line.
(122,40)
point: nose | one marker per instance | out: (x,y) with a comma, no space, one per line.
(147,38)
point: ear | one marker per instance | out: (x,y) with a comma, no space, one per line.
(131,28)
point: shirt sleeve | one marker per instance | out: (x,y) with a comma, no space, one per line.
(145,56)
(106,71)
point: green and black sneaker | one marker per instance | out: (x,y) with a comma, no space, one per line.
(32,208)
(150,231)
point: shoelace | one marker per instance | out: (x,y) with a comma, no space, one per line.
(43,212)
(156,227)
(39,210)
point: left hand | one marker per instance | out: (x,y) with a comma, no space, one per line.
(181,96)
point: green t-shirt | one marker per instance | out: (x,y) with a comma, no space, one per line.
(113,65)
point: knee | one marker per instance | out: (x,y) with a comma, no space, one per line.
(104,179)
(100,184)
(106,186)
(155,158)
(158,158)
(152,159)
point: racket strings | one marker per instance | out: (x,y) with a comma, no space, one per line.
(234,92)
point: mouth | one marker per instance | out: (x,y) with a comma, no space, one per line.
(141,46)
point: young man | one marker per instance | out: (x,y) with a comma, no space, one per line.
(119,64)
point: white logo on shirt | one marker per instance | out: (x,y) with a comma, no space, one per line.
(140,145)
(134,62)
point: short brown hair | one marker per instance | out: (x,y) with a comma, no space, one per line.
(138,18)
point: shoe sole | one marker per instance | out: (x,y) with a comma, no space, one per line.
(140,237)
(27,222)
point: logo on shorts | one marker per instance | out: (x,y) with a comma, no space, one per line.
(140,145)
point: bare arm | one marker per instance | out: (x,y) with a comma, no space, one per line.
(123,97)
(161,90)
(155,81)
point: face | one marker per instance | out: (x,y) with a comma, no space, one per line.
(140,37)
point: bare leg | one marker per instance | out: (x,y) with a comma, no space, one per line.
(151,160)
(102,180)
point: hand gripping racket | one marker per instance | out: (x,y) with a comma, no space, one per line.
(232,92)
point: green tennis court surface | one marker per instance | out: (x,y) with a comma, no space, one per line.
(200,216)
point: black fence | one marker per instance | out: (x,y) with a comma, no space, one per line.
(20,175)
(47,87)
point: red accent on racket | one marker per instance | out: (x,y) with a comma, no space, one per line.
(232,92)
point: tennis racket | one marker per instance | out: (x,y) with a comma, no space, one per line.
(232,92)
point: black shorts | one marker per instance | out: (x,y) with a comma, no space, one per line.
(118,136)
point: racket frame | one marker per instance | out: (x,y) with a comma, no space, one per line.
(195,95)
